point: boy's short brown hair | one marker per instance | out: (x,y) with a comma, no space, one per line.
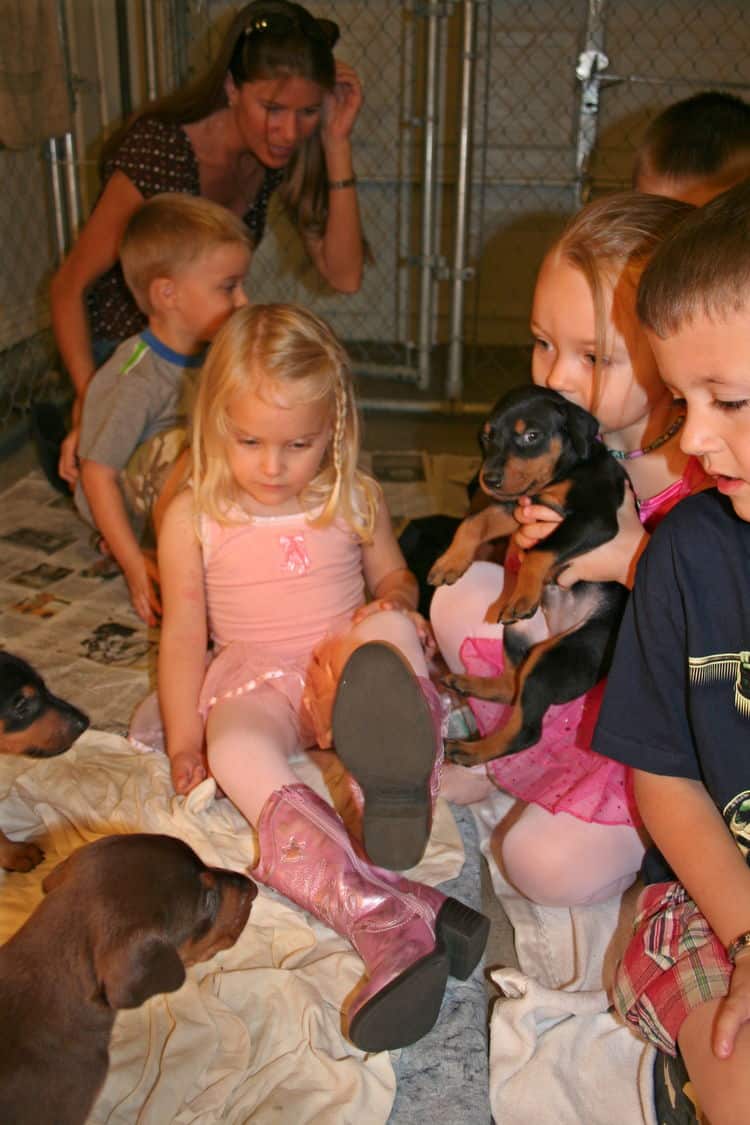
(702,268)
(704,137)
(169,232)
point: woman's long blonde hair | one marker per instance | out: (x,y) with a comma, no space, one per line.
(613,238)
(303,48)
(291,355)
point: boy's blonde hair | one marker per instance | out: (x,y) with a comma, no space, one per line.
(611,240)
(291,356)
(702,268)
(169,232)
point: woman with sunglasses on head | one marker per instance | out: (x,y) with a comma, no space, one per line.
(275,111)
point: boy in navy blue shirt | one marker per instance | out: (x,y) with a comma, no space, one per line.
(677,704)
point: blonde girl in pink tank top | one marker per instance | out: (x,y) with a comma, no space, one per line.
(267,558)
(574,836)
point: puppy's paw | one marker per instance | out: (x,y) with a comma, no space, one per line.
(517,609)
(19,857)
(494,611)
(458,683)
(461,753)
(449,568)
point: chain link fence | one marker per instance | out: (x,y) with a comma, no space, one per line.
(486,124)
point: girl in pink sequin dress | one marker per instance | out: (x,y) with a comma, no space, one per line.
(267,555)
(574,836)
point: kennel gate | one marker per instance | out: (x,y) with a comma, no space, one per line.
(486,123)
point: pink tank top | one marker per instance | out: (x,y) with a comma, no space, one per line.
(653,510)
(278,582)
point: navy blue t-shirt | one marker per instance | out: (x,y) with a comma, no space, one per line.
(677,700)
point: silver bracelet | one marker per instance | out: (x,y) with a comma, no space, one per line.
(735,947)
(336,185)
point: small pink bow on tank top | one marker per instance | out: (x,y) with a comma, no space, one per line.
(296,558)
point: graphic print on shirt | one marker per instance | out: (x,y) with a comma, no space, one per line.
(725,666)
(737,816)
(295,557)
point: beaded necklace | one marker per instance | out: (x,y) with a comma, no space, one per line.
(630,455)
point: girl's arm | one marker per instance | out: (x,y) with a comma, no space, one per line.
(691,834)
(184,638)
(389,581)
(95,251)
(339,254)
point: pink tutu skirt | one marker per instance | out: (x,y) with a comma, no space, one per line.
(560,772)
(242,668)
(308,682)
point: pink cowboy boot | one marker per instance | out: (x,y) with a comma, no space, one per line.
(409,936)
(387,732)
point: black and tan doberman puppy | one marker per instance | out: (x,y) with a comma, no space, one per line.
(122,919)
(537,444)
(37,723)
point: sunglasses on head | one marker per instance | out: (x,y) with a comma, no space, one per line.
(281,25)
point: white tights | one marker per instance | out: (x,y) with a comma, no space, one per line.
(554,859)
(250,737)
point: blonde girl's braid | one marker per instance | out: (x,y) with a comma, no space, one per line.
(337,467)
(339,427)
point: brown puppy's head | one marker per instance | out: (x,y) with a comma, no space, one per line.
(152,907)
(532,437)
(33,721)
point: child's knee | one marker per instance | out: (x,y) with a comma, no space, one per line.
(388,625)
(541,868)
(536,869)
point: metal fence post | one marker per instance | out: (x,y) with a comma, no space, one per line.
(591,62)
(460,273)
(429,178)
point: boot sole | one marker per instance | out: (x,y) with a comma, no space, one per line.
(463,933)
(384,734)
(408,1007)
(405,1010)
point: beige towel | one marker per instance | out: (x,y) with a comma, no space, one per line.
(34,93)
(255,1033)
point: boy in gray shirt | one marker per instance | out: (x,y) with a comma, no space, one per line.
(184,259)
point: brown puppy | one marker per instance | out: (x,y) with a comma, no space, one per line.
(537,444)
(37,723)
(123,918)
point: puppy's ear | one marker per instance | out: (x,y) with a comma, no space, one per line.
(137,967)
(582,429)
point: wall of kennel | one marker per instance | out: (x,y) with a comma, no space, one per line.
(486,123)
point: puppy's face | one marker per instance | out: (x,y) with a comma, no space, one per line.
(532,437)
(33,721)
(152,908)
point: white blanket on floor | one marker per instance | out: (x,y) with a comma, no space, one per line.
(255,1033)
(558,1053)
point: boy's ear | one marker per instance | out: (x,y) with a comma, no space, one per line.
(162,293)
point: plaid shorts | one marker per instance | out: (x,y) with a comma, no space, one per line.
(673,963)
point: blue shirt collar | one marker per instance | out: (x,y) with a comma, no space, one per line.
(177,358)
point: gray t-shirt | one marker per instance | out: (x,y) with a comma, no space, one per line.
(143,388)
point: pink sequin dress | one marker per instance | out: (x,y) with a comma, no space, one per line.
(560,772)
